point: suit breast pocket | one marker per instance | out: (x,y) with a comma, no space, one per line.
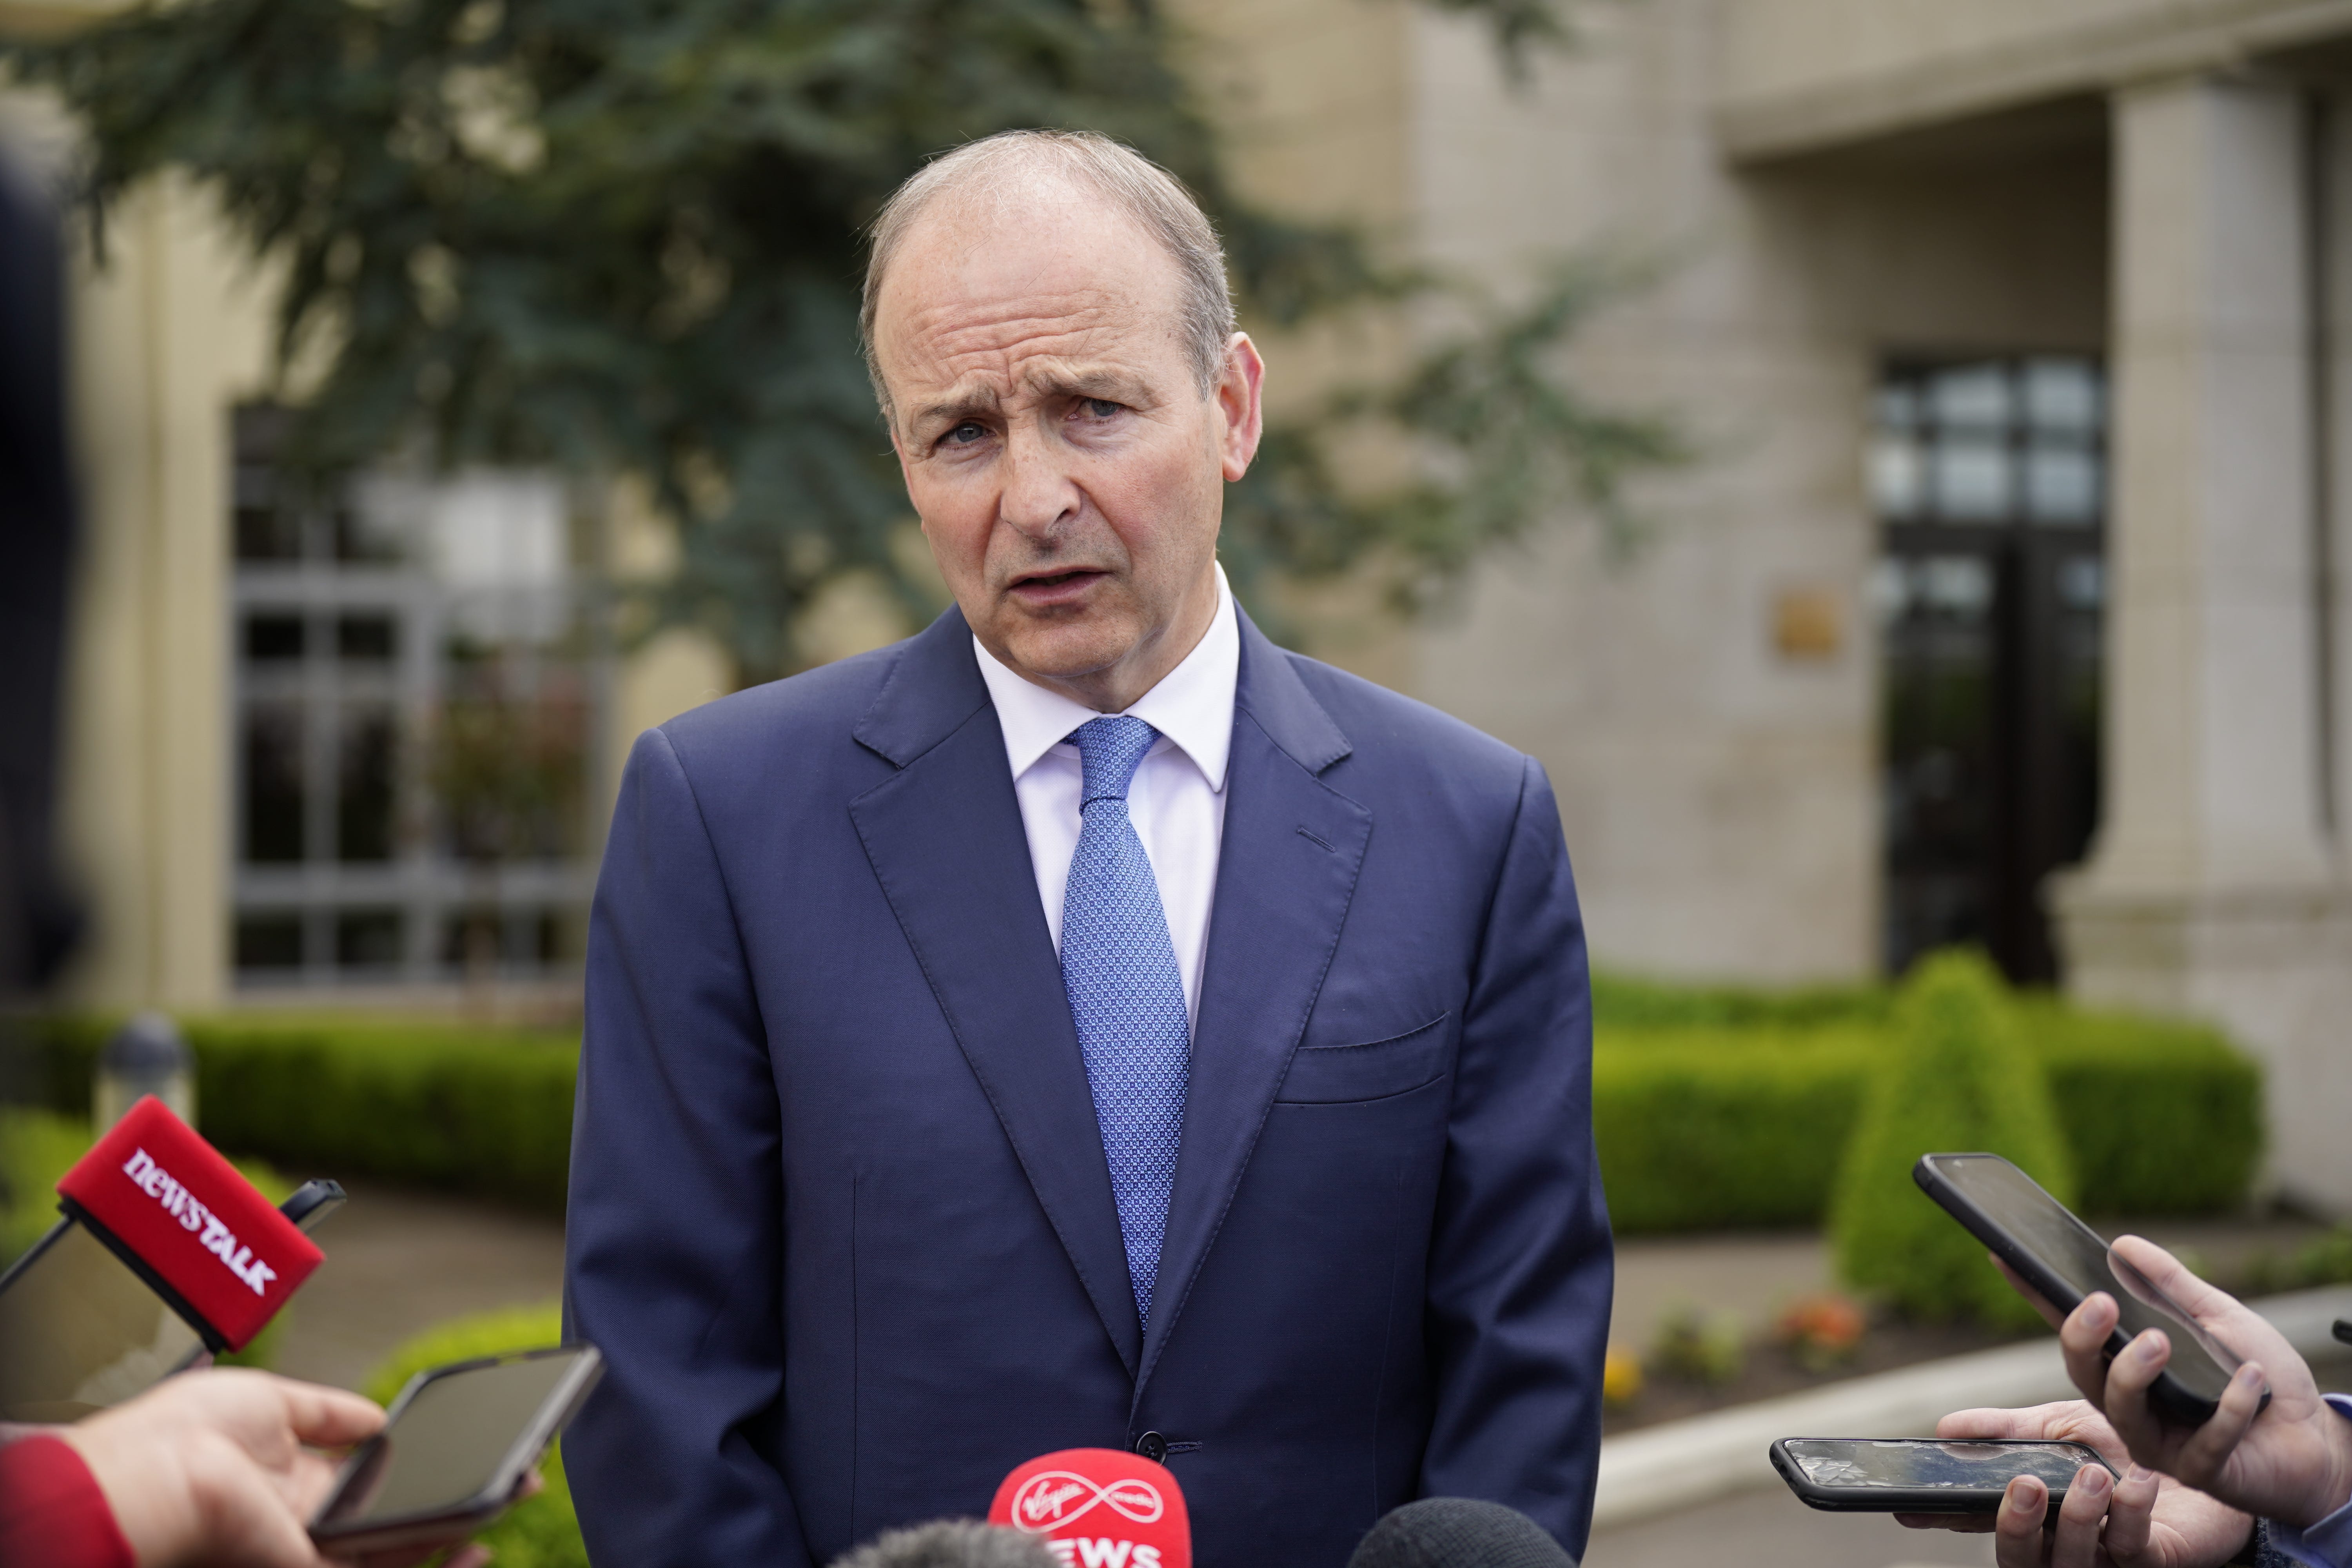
(1336,1075)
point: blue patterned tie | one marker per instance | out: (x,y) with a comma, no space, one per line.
(1126,995)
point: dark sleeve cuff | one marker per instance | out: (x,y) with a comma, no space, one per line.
(52,1511)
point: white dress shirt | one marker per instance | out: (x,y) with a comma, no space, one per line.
(1177,801)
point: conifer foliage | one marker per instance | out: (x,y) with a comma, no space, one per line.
(1957,1077)
(620,237)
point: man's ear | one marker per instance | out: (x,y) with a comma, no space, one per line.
(1239,394)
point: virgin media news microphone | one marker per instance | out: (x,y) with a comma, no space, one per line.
(1458,1532)
(1098,1508)
(165,1252)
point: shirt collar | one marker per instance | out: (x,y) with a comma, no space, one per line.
(1193,705)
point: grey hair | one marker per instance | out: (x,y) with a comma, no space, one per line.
(952,1543)
(1133,184)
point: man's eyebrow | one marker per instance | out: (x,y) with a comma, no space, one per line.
(1087,381)
(958,407)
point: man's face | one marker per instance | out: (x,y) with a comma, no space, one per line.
(1068,471)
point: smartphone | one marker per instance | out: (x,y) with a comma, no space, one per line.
(1923,1474)
(2066,1260)
(84,1324)
(455,1444)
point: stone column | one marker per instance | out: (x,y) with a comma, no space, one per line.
(2214,889)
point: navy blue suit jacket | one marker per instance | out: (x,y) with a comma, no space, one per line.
(840,1217)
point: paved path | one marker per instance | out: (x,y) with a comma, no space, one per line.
(1773,1530)
(401,1261)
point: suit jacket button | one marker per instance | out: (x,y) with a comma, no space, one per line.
(1152,1447)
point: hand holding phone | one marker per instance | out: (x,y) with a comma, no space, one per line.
(2065,1262)
(457,1446)
(2197,1386)
(2139,1517)
(2282,1453)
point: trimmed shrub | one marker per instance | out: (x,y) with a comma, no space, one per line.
(2163,1118)
(1705,1130)
(1710,1127)
(438,1105)
(1956,1076)
(1713,1108)
(542,1532)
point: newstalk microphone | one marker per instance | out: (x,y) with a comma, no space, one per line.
(166,1251)
(1098,1508)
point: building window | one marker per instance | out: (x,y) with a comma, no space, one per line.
(1989,477)
(418,692)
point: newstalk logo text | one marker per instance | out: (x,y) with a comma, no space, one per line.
(182,1206)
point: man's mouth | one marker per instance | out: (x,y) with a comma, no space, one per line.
(1051,586)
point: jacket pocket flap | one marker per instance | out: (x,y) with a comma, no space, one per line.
(1329,1075)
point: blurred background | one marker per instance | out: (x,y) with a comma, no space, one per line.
(1890,460)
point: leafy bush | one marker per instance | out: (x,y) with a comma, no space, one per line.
(480,1110)
(1704,1130)
(37,1149)
(2326,1261)
(1713,1108)
(538,1532)
(1956,1076)
(2162,1117)
(1729,1110)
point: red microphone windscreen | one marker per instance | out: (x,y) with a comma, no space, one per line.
(204,1230)
(1098,1508)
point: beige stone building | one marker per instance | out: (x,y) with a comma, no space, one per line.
(2007,600)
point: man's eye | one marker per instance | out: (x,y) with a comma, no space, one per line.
(965,433)
(1102,407)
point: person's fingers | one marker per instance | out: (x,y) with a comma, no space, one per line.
(243,1518)
(2083,1342)
(1958,1523)
(2018,1541)
(2033,1298)
(2075,1542)
(2200,1458)
(2134,1369)
(1993,1424)
(2241,1332)
(329,1418)
(2131,1513)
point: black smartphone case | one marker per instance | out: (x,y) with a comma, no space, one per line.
(530,1446)
(2171,1398)
(1895,1500)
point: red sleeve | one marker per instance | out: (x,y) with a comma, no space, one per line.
(52,1511)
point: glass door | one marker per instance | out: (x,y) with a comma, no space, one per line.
(1989,477)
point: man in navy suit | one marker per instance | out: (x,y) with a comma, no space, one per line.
(1085,1023)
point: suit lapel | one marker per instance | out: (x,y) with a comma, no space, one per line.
(1285,874)
(944,837)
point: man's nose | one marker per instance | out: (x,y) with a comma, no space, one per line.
(1039,495)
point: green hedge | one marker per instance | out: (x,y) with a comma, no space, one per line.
(482,1111)
(1709,1130)
(1714,1108)
(1741,1120)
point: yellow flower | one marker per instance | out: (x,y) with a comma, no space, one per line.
(1621,1378)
